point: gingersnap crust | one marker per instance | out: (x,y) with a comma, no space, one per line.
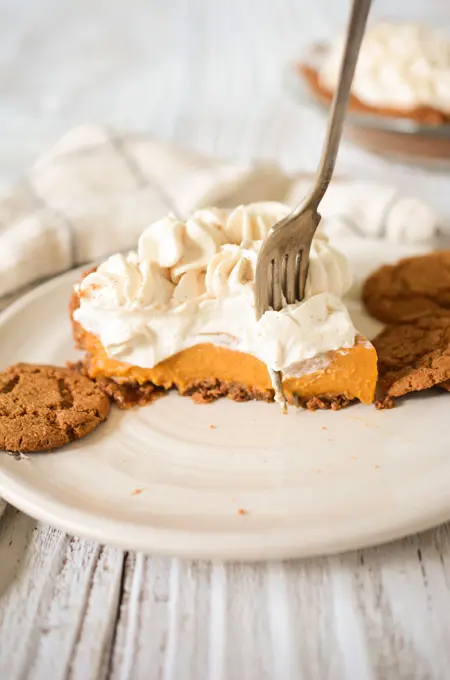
(45,407)
(410,289)
(414,356)
(129,395)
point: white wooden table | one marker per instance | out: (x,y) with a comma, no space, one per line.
(206,75)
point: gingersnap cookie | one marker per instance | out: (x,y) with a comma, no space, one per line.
(44,407)
(413,357)
(414,287)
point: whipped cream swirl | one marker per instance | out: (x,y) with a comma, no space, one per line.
(400,66)
(232,269)
(127,283)
(182,246)
(193,281)
(252,222)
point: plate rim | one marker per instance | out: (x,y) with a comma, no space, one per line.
(208,545)
(223,546)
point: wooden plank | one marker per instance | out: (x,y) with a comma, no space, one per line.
(61,612)
(315,649)
(22,607)
(395,617)
(163,621)
(121,663)
(189,605)
(16,532)
(249,653)
(91,653)
(56,595)
(217,639)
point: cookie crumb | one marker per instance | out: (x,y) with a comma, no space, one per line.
(136,492)
(242,511)
(324,428)
(18,455)
(213,427)
(385,403)
(353,458)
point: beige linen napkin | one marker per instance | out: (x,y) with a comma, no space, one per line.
(95,191)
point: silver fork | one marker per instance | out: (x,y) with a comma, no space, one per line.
(283,260)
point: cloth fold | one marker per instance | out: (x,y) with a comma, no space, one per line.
(95,191)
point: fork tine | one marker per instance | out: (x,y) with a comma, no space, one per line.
(264,287)
(269,287)
(291,286)
(303,262)
(277,383)
(277,293)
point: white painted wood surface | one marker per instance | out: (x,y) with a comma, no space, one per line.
(205,74)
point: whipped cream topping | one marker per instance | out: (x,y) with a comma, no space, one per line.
(400,66)
(192,282)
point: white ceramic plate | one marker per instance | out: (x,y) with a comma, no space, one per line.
(308,483)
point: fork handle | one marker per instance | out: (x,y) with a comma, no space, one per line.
(355,32)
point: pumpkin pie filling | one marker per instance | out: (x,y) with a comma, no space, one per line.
(210,364)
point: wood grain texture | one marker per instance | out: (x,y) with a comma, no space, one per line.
(73,610)
(206,75)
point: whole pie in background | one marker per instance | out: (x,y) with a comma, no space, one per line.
(403,71)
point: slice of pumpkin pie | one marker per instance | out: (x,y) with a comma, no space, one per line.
(180,313)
